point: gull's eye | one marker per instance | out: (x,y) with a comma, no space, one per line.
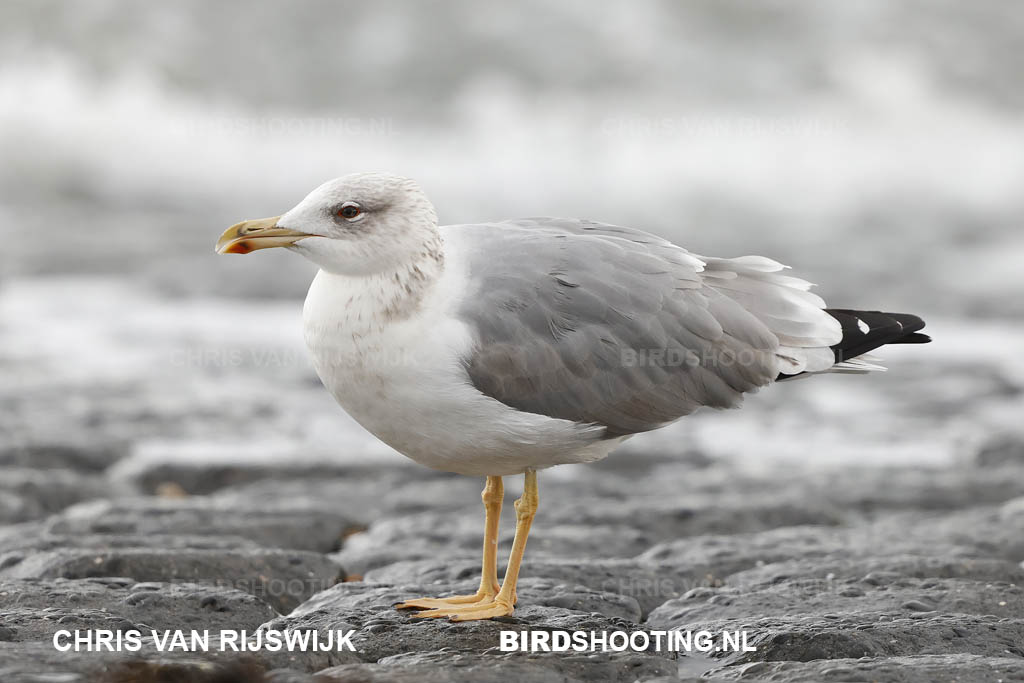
(350,211)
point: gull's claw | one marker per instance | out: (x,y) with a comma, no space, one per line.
(431,603)
(473,612)
(480,597)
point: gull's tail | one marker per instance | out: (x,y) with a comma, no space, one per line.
(865,331)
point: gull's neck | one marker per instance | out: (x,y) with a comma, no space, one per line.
(361,304)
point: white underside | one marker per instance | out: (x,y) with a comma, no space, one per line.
(405,383)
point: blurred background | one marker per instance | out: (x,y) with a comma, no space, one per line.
(876,146)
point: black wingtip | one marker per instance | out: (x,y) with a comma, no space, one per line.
(864,331)
(915,338)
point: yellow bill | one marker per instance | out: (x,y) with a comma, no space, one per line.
(262,233)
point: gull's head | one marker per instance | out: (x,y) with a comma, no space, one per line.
(359,224)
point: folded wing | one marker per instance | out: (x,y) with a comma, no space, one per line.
(607,325)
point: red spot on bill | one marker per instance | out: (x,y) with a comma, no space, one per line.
(240,247)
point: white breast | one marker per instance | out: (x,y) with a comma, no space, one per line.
(404,381)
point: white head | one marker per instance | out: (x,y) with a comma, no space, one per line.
(360,224)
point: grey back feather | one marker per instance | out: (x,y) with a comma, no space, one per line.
(601,324)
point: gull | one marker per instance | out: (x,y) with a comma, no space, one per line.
(504,348)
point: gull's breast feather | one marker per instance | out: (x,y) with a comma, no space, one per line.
(405,381)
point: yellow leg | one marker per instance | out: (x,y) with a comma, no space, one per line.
(493,495)
(502,604)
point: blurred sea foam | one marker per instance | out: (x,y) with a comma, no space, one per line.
(880,144)
(877,146)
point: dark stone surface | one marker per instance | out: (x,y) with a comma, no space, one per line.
(149,470)
(27,494)
(384,633)
(1001,450)
(77,453)
(38,662)
(24,541)
(942,668)
(283,579)
(649,584)
(803,638)
(850,588)
(274,523)
(35,609)
(137,512)
(900,596)
(455,666)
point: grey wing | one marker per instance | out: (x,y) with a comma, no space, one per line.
(606,325)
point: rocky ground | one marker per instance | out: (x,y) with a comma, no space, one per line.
(858,529)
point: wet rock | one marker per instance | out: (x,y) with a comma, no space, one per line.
(881,570)
(383,632)
(895,597)
(29,624)
(203,468)
(804,638)
(27,494)
(816,550)
(649,584)
(273,523)
(621,540)
(909,669)
(377,492)
(293,676)
(663,518)
(458,535)
(549,593)
(81,455)
(580,599)
(245,669)
(452,665)
(1004,532)
(1001,450)
(722,555)
(575,517)
(421,537)
(25,540)
(46,603)
(31,662)
(844,495)
(917,488)
(40,663)
(283,579)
